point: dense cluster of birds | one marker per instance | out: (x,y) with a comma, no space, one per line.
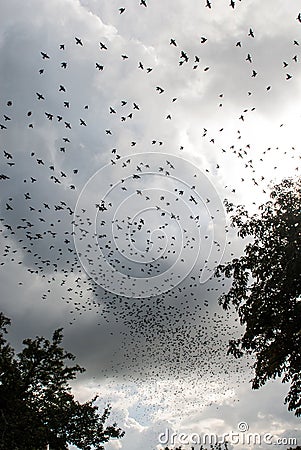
(133,246)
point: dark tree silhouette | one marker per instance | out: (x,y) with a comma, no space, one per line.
(36,404)
(266,287)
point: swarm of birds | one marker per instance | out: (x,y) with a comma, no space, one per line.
(121,216)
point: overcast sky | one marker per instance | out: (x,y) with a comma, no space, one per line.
(122,132)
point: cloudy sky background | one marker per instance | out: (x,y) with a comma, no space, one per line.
(159,360)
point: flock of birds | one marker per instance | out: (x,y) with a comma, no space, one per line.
(132,244)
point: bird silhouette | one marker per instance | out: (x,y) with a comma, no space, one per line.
(251,33)
(40,96)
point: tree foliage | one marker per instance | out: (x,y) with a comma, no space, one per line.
(266,287)
(36,404)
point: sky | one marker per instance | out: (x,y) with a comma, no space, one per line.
(122,132)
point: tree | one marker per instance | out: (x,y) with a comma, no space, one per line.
(265,288)
(36,404)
